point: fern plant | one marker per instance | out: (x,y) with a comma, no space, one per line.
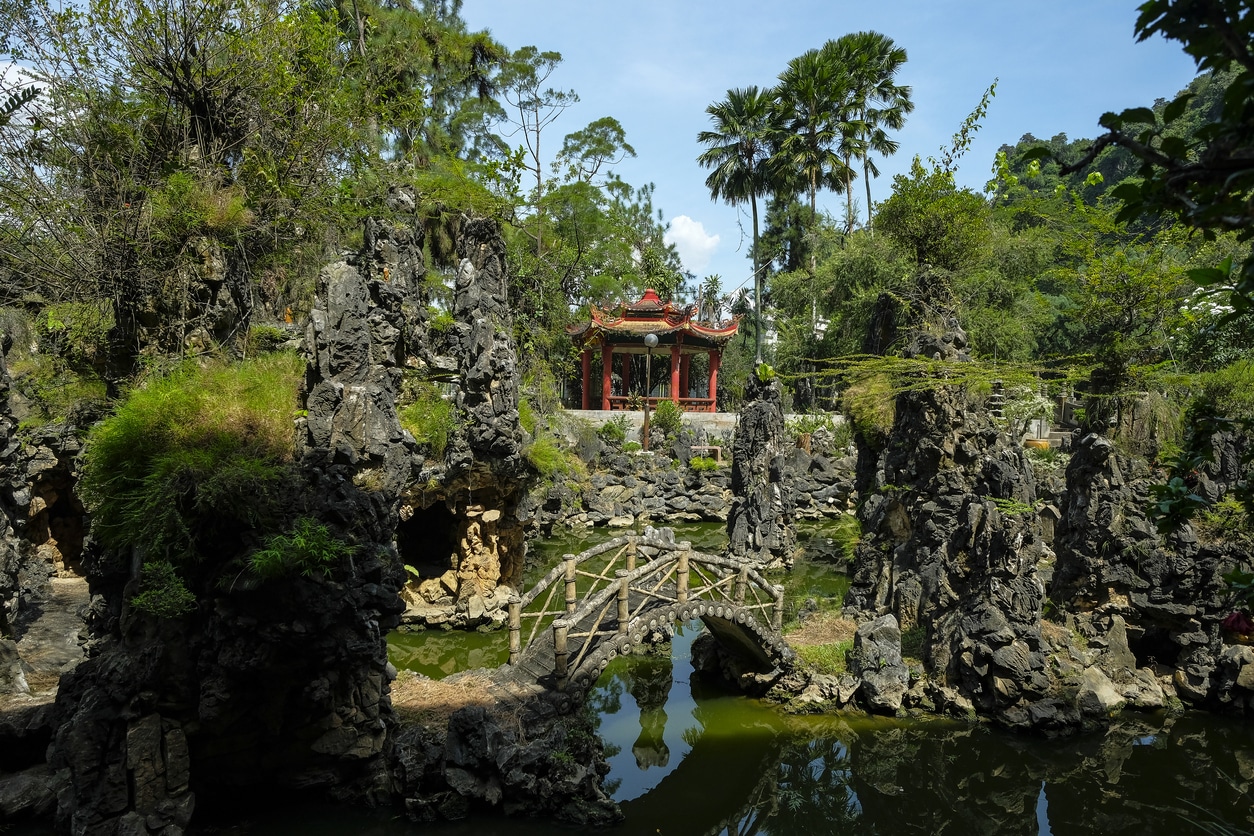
(309,549)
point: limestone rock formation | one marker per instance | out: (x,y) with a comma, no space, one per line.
(876,661)
(521,754)
(488,365)
(1123,582)
(460,524)
(10,450)
(950,546)
(760,521)
(284,683)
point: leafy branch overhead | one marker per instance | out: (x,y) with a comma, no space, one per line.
(1206,176)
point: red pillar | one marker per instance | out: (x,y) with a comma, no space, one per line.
(675,374)
(587,378)
(715,358)
(607,358)
(625,361)
(683,375)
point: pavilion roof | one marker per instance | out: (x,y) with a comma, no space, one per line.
(650,315)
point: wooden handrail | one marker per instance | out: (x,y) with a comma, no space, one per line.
(727,580)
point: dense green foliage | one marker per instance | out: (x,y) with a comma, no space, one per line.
(193,460)
(668,418)
(703,464)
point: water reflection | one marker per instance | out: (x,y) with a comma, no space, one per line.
(649,683)
(688,758)
(742,768)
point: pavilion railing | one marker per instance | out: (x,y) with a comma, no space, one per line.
(623,403)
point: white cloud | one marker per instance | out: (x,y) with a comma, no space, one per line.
(694,245)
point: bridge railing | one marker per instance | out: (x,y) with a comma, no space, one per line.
(675,575)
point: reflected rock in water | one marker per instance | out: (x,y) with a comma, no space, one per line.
(649,682)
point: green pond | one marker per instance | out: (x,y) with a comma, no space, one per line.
(687,757)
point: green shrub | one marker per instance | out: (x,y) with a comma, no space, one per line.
(846,531)
(162,592)
(540,386)
(1231,389)
(614,431)
(429,419)
(835,434)
(439,320)
(1011,506)
(77,332)
(195,456)
(1046,457)
(807,423)
(871,406)
(668,418)
(53,390)
(187,205)
(703,464)
(632,447)
(549,459)
(309,549)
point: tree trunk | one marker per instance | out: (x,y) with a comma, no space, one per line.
(848,196)
(757,286)
(866,174)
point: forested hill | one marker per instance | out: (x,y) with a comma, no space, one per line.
(1114,164)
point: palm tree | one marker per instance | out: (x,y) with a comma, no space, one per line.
(739,151)
(813,100)
(877,102)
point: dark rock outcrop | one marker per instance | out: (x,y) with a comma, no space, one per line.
(473,558)
(951,545)
(876,661)
(487,395)
(10,452)
(285,684)
(760,521)
(524,756)
(1160,596)
(635,489)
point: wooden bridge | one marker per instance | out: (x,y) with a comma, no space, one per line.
(633,585)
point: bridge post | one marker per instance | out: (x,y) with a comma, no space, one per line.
(571,592)
(624,611)
(681,578)
(777,618)
(631,556)
(560,654)
(742,583)
(515,628)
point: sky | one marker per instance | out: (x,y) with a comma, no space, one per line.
(656,65)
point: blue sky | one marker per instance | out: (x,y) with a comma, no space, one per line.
(655,65)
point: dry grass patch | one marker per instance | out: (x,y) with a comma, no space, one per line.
(433,701)
(823,641)
(823,628)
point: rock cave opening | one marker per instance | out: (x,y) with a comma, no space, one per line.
(21,752)
(1153,647)
(427,540)
(56,525)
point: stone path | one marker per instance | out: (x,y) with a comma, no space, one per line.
(50,645)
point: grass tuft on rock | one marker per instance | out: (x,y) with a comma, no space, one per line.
(193,456)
